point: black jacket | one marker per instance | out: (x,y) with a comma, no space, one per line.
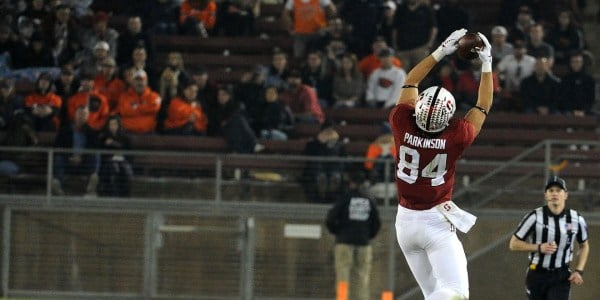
(353,219)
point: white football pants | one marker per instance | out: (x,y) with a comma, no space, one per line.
(433,252)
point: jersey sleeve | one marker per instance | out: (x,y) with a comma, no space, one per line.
(582,234)
(525,227)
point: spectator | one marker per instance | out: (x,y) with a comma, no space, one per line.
(100,32)
(322,180)
(35,11)
(467,85)
(108,83)
(173,77)
(578,88)
(354,220)
(139,106)
(207,89)
(364,18)
(540,91)
(385,84)
(305,20)
(566,37)
(512,70)
(96,103)
(185,115)
(319,76)
(58,28)
(22,47)
(160,16)
(380,150)
(10,102)
(445,76)
(92,64)
(115,173)
(451,15)
(130,39)
(278,70)
(66,86)
(38,54)
(348,83)
(197,17)
(500,47)
(537,47)
(276,119)
(415,30)
(43,105)
(236,17)
(76,136)
(369,63)
(226,120)
(73,53)
(387,24)
(302,100)
(7,42)
(520,29)
(250,91)
(140,63)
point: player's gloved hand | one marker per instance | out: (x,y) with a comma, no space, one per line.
(450,45)
(485,53)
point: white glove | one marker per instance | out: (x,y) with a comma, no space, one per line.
(485,54)
(450,45)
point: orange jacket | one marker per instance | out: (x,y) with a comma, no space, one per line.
(51,99)
(308,17)
(97,118)
(208,15)
(138,112)
(369,63)
(373,152)
(111,89)
(180,112)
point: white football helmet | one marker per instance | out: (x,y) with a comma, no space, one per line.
(434,108)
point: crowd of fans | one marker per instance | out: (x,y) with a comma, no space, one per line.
(95,84)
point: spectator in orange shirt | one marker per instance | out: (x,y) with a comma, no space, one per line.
(139,106)
(109,84)
(382,148)
(185,115)
(94,101)
(371,62)
(43,105)
(197,17)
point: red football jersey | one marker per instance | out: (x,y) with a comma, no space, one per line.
(425,164)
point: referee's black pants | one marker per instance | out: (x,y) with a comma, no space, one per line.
(548,285)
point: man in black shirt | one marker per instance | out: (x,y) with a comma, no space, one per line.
(548,233)
(354,220)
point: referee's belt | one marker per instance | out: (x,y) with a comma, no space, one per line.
(537,268)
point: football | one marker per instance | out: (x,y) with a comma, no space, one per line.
(468,46)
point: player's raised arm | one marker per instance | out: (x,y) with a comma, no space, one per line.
(477,114)
(410,90)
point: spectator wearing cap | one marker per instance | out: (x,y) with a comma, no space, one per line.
(185,115)
(100,32)
(302,100)
(43,105)
(500,47)
(385,84)
(140,62)
(92,64)
(139,106)
(108,83)
(88,96)
(132,37)
(537,47)
(369,63)
(512,69)
(197,17)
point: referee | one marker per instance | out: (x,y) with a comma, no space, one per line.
(548,234)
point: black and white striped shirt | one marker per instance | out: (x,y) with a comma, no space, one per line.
(542,226)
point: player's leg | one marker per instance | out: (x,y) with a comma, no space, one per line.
(409,229)
(344,256)
(361,272)
(449,264)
